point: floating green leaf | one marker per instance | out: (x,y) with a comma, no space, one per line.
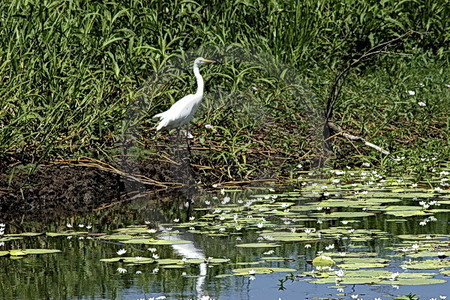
(257,245)
(261,270)
(41,251)
(323,261)
(155,242)
(24,234)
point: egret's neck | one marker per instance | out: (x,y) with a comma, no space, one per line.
(200,83)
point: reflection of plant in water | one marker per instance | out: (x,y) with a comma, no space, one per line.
(412,296)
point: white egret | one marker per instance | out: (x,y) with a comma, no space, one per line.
(182,111)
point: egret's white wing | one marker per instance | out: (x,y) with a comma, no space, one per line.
(180,113)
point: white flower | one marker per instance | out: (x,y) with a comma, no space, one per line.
(138,257)
(81,225)
(88,226)
(208,126)
(155,256)
(121,251)
(308,246)
(176,220)
(121,270)
(152,249)
(69,225)
(366,164)
(394,276)
(138,272)
(252,272)
(155,270)
(422,104)
(411,93)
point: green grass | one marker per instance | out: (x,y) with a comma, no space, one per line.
(84,79)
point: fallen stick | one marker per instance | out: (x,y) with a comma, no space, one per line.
(352,137)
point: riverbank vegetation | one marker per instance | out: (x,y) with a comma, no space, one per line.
(80,82)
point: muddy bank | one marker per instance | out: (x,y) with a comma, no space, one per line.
(57,190)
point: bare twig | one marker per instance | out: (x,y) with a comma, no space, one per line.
(339,81)
(93,163)
(337,88)
(352,137)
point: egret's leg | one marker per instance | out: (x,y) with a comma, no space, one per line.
(187,140)
(177,141)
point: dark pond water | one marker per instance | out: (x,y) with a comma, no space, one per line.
(386,236)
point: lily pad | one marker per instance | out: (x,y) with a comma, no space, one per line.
(428,264)
(65,233)
(16,253)
(24,234)
(207,260)
(343,214)
(323,261)
(41,251)
(156,242)
(257,245)
(261,270)
(116,237)
(129,259)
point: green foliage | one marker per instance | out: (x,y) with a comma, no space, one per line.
(80,78)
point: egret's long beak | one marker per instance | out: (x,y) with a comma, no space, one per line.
(208,61)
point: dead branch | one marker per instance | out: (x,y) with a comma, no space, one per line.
(352,137)
(93,163)
(339,81)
